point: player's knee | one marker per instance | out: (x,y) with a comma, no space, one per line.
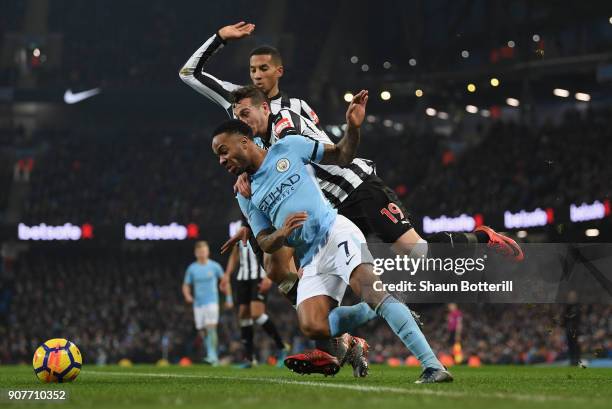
(363,283)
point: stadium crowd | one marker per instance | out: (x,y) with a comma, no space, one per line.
(165,176)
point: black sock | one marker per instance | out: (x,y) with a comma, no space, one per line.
(461,244)
(481,236)
(268,326)
(246,337)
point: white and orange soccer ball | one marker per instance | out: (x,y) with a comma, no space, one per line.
(57,360)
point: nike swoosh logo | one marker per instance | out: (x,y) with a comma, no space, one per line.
(349,260)
(73,98)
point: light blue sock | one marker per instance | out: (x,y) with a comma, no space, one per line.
(211,344)
(400,320)
(347,318)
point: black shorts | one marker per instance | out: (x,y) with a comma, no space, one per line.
(376,210)
(247,291)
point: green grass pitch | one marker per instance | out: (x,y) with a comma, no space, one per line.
(200,386)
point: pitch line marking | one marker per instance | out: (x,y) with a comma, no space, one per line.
(359,388)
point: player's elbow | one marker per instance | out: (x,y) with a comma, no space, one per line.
(185,73)
(344,158)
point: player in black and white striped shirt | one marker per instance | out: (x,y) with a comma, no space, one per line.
(251,289)
(265,67)
(361,197)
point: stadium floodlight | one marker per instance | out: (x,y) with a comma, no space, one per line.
(36,52)
(581,96)
(387,122)
(412,62)
(471,87)
(442,115)
(521,234)
(513,102)
(431,111)
(386,65)
(418,93)
(511,44)
(348,97)
(354,59)
(536,38)
(494,82)
(560,92)
(385,95)
(610,20)
(365,67)
(485,112)
(471,109)
(591,232)
(465,53)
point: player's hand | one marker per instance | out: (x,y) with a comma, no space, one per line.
(189,300)
(243,234)
(355,114)
(292,222)
(224,284)
(236,31)
(264,285)
(229,305)
(243,185)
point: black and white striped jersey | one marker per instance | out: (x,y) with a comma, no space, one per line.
(336,182)
(250,269)
(219,91)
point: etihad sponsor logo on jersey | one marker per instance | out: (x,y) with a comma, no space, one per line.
(279,193)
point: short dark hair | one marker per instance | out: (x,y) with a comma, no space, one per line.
(233,126)
(268,50)
(250,91)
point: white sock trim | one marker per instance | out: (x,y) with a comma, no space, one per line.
(261,320)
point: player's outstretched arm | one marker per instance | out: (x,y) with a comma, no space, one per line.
(211,87)
(271,240)
(344,151)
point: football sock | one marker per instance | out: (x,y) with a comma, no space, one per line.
(246,337)
(461,244)
(347,318)
(211,344)
(400,320)
(268,326)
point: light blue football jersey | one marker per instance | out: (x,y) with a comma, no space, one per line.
(204,278)
(285,184)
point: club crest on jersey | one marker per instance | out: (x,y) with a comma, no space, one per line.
(282,165)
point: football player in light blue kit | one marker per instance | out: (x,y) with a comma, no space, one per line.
(287,207)
(203,275)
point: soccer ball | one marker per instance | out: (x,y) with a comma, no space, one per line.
(57,360)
